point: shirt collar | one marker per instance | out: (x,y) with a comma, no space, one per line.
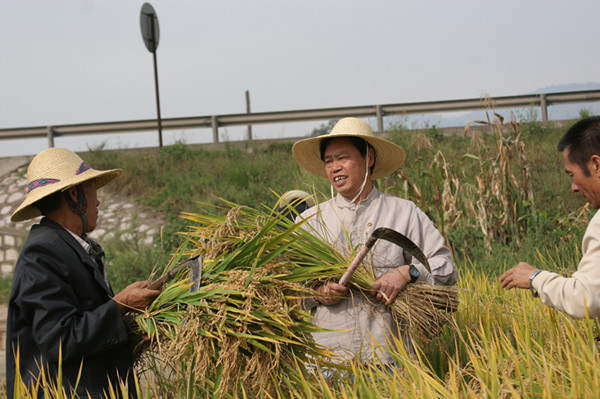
(80,240)
(343,202)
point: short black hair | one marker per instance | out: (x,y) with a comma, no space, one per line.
(357,142)
(583,141)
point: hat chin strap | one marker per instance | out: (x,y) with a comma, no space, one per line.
(80,207)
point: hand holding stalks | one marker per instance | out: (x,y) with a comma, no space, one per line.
(387,287)
(330,293)
(136,296)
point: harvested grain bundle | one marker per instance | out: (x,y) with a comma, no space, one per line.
(245,323)
(245,328)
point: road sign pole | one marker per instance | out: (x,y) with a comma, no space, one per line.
(159,121)
(151,35)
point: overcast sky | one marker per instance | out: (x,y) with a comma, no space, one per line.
(76,61)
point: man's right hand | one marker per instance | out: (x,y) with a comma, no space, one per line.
(330,293)
(136,297)
(518,276)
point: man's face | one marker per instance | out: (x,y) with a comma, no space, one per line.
(346,167)
(89,189)
(588,186)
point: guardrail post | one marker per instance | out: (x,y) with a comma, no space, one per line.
(248,112)
(215,128)
(50,130)
(379,118)
(544,107)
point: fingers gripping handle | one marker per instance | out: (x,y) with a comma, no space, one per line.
(359,257)
(389,235)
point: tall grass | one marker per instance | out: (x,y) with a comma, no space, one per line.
(452,178)
(503,192)
(500,343)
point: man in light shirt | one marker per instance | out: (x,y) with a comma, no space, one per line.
(351,157)
(578,295)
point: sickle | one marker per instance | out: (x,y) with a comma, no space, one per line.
(392,236)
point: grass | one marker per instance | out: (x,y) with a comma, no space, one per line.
(501,343)
(179,178)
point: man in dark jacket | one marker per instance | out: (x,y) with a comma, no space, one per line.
(62,310)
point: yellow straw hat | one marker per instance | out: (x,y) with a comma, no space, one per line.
(388,156)
(53,170)
(293,197)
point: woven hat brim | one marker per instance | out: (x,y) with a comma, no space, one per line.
(27,210)
(389,156)
(293,196)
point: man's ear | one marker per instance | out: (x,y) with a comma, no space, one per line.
(594,165)
(72,193)
(371,156)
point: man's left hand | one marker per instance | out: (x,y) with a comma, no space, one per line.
(390,284)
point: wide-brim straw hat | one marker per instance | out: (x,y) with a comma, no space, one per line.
(53,170)
(388,156)
(294,197)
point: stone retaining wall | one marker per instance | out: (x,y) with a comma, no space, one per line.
(10,243)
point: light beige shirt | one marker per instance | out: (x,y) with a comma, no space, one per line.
(368,324)
(572,295)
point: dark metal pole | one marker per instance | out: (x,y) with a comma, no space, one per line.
(248,111)
(160,140)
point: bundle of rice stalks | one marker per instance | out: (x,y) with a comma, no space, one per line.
(245,329)
(423,308)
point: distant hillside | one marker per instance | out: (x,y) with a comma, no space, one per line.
(568,87)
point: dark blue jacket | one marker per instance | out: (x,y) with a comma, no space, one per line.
(60,302)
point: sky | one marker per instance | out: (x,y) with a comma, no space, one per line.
(80,61)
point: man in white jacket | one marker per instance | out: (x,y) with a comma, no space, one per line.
(578,295)
(352,157)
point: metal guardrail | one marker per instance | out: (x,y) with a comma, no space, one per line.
(377,111)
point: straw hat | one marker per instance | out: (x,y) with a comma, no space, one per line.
(388,156)
(294,197)
(53,170)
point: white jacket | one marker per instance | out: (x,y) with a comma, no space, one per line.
(366,322)
(572,295)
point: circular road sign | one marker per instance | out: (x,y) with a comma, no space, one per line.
(149,25)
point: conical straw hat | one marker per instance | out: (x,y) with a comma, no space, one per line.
(53,170)
(388,156)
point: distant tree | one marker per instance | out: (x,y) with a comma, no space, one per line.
(324,128)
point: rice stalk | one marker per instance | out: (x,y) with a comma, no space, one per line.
(245,326)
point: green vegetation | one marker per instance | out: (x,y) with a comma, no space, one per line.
(180,178)
(499,196)
(500,189)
